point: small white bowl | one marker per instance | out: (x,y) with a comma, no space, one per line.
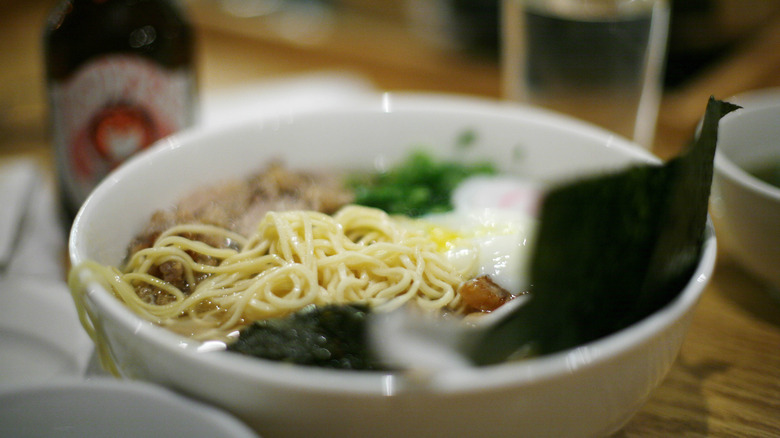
(746,210)
(591,390)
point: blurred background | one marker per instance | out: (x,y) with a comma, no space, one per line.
(716,47)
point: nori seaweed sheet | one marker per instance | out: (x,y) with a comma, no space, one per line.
(611,250)
(331,336)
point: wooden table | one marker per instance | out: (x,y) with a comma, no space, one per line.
(726,382)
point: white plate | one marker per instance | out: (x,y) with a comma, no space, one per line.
(41,338)
(109,408)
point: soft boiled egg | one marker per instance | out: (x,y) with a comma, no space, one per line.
(490,230)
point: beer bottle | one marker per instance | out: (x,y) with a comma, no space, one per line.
(120,75)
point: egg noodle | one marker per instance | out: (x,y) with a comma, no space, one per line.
(294,258)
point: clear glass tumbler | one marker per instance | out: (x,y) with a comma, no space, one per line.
(598,60)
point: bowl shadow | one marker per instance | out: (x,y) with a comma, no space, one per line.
(678,407)
(754,297)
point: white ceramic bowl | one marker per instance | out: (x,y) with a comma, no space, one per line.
(588,391)
(746,209)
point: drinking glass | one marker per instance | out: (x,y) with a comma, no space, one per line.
(598,60)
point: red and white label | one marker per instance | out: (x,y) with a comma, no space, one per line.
(110,109)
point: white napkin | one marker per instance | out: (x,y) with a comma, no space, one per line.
(40,336)
(16,181)
(32,240)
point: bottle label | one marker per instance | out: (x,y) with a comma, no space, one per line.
(110,109)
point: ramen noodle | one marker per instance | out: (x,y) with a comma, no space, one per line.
(293,259)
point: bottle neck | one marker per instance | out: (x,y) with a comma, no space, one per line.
(82,30)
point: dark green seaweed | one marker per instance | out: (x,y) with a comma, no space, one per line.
(331,336)
(611,250)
